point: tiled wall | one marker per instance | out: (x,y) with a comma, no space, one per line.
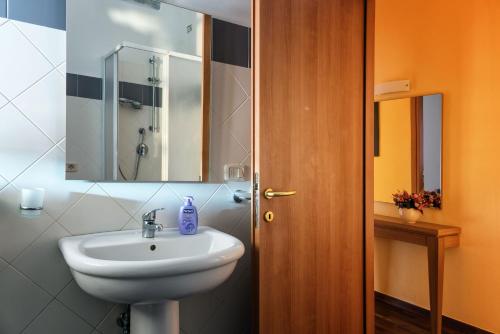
(37,292)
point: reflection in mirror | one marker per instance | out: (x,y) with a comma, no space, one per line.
(408,145)
(146,100)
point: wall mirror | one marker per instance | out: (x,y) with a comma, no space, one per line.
(155,92)
(408,145)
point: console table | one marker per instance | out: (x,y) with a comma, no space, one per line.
(436,238)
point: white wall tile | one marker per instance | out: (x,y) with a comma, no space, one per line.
(131,200)
(84,122)
(20,301)
(44,104)
(164,198)
(17,231)
(203,191)
(231,117)
(95,212)
(132,224)
(243,76)
(21,62)
(222,212)
(228,95)
(21,143)
(57,319)
(3,100)
(239,123)
(62,144)
(43,263)
(51,42)
(62,69)
(3,182)
(91,309)
(225,149)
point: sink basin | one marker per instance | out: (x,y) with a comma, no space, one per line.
(151,274)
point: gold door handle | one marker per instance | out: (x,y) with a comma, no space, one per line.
(269,193)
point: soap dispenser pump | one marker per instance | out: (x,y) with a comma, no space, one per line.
(188,217)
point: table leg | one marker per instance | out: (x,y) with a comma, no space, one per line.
(435,255)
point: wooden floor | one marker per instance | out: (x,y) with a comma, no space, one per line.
(397,318)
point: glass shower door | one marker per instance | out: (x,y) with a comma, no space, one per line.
(141,83)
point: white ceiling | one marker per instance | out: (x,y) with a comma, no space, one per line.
(235,11)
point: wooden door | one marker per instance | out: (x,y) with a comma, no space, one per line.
(309,107)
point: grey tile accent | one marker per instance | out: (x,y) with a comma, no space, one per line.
(147,96)
(71,84)
(20,301)
(89,87)
(49,13)
(57,319)
(3,8)
(141,93)
(91,309)
(230,43)
(131,91)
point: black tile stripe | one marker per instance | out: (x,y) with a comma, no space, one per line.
(3,8)
(83,86)
(48,13)
(230,43)
(91,88)
(71,84)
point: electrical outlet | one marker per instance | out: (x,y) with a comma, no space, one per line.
(71,167)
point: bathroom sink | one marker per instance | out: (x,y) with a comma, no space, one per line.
(151,274)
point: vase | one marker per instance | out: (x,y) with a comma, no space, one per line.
(411,216)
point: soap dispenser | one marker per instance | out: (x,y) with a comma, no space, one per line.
(188,217)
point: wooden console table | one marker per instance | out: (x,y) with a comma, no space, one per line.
(436,238)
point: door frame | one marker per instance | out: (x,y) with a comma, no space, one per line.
(369,293)
(369,273)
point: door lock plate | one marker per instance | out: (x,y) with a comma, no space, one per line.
(269,216)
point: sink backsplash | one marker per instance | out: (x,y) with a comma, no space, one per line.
(37,293)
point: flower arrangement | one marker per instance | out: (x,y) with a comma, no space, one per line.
(417,201)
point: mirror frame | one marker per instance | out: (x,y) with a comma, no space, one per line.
(415,136)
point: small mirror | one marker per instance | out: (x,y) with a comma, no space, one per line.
(408,145)
(155,92)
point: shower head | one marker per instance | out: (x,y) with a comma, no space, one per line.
(135,104)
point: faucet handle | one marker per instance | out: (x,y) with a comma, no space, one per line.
(151,215)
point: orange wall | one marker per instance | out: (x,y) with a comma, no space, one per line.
(451,47)
(392,167)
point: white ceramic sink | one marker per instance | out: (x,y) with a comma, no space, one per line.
(152,274)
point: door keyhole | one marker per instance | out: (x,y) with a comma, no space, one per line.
(269,216)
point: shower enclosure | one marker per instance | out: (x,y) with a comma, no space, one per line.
(152,113)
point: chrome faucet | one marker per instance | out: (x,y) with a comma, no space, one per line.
(149,226)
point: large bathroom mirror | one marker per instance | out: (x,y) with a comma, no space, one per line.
(408,145)
(155,92)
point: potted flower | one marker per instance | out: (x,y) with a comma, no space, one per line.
(411,206)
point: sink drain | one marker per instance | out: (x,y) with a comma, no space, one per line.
(152,247)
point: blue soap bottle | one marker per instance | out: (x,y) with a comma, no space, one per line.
(188,217)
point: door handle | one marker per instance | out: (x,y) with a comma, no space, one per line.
(269,193)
